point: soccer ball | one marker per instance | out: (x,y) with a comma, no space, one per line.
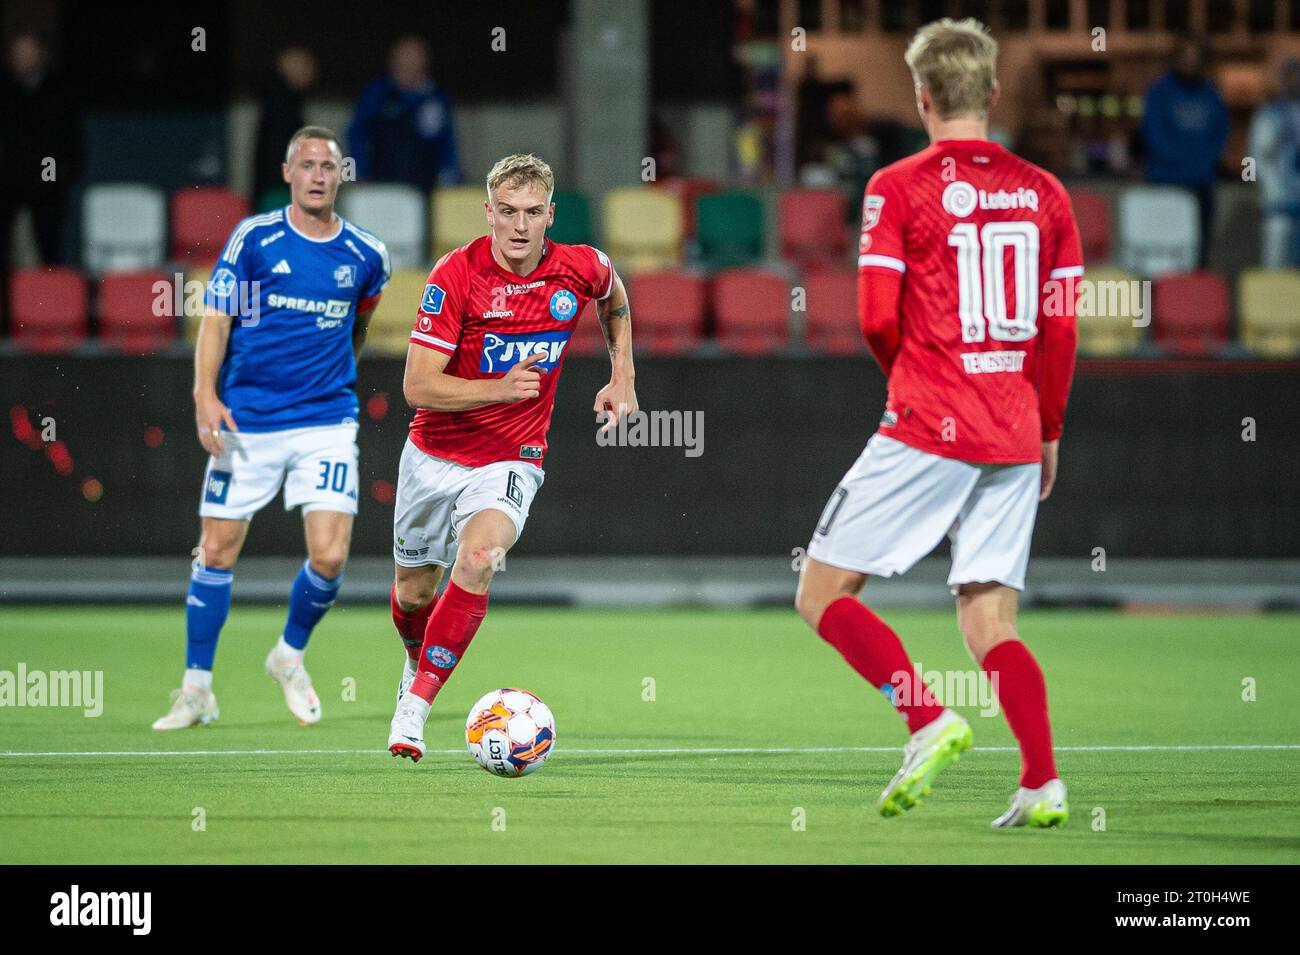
(510,732)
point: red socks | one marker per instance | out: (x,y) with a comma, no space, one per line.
(874,650)
(1021,690)
(455,619)
(410,626)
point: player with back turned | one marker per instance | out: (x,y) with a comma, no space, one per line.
(482,369)
(968,261)
(275,370)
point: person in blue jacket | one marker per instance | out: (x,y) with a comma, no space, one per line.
(403,129)
(1185,126)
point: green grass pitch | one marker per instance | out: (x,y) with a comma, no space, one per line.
(633,780)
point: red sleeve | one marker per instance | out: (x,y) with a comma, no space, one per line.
(438,320)
(881,267)
(600,272)
(1058,331)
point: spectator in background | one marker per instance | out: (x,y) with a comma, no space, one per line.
(1185,125)
(1275,146)
(38,122)
(402,130)
(281,97)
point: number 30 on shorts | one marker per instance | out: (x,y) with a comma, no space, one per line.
(333,476)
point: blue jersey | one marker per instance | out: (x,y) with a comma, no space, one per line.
(289,361)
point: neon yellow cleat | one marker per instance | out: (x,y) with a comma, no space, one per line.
(1041,808)
(930,749)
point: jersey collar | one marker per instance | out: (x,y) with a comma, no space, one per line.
(329,238)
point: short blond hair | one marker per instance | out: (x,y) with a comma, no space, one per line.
(521,169)
(312,132)
(956,60)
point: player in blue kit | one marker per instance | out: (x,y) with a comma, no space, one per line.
(285,318)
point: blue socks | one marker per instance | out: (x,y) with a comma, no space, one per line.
(206,608)
(310,597)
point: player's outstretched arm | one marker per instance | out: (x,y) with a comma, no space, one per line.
(618,398)
(361,327)
(426,385)
(209,353)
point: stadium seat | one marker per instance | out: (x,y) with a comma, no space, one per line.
(202,218)
(831,316)
(1269,312)
(1092,212)
(390,326)
(128,319)
(394,212)
(123,227)
(274,197)
(1110,302)
(813,230)
(687,191)
(643,229)
(667,311)
(1159,230)
(47,309)
(587,338)
(458,218)
(752,310)
(1191,313)
(572,219)
(729,229)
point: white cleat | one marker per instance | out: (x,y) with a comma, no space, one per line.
(406,734)
(299,695)
(930,749)
(1041,808)
(408,677)
(190,707)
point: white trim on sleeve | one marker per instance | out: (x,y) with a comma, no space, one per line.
(1066,272)
(430,340)
(884,261)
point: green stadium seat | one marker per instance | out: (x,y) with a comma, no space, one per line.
(572,219)
(729,228)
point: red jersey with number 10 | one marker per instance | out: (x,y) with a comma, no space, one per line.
(488,319)
(989,254)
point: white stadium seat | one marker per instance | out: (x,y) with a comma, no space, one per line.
(123,227)
(1159,230)
(394,213)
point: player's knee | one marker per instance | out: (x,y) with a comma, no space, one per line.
(811,604)
(329,563)
(217,555)
(414,594)
(477,563)
(983,636)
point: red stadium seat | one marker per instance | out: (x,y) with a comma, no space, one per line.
(667,311)
(1191,313)
(587,338)
(831,318)
(202,219)
(752,309)
(688,190)
(813,230)
(1092,212)
(47,309)
(127,315)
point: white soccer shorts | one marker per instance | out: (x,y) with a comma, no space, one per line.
(435,498)
(317,467)
(896,503)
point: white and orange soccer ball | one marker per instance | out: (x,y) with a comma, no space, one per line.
(510,732)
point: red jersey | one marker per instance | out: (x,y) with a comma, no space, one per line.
(982,338)
(487,319)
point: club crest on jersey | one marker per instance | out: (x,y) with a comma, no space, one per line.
(441,657)
(503,352)
(222,283)
(871,208)
(432,301)
(959,199)
(564,305)
(345,275)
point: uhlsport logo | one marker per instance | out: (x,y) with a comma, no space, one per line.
(503,352)
(959,199)
(564,305)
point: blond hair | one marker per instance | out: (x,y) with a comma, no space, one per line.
(521,169)
(312,132)
(956,60)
